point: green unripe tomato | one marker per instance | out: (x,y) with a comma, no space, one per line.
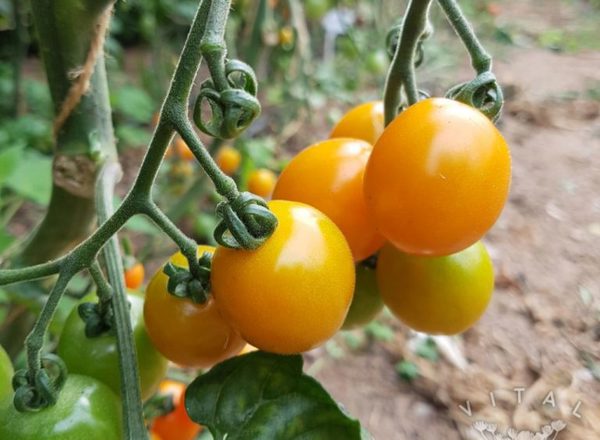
(316,9)
(377,62)
(86,410)
(6,374)
(99,357)
(366,302)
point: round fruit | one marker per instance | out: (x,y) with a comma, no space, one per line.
(228,159)
(366,302)
(134,276)
(189,334)
(316,9)
(437,295)
(86,409)
(329,176)
(175,425)
(98,357)
(377,62)
(365,122)
(6,374)
(261,182)
(437,178)
(293,293)
(182,150)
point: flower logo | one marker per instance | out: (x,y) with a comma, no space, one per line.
(489,431)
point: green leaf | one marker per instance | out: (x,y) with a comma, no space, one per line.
(32,177)
(379,331)
(143,225)
(132,136)
(428,349)
(266,396)
(407,370)
(133,103)
(5,240)
(9,159)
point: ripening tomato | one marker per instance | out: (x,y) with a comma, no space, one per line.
(293,293)
(86,410)
(98,357)
(189,334)
(329,176)
(437,295)
(182,150)
(365,122)
(437,178)
(6,374)
(228,159)
(261,182)
(134,276)
(366,301)
(175,425)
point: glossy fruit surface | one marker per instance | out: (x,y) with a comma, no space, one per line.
(438,178)
(437,295)
(98,357)
(292,293)
(189,334)
(175,425)
(366,301)
(86,410)
(329,176)
(228,159)
(134,276)
(261,182)
(6,374)
(365,122)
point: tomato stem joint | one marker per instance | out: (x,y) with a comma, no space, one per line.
(183,284)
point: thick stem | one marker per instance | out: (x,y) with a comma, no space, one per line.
(255,45)
(402,69)
(481,60)
(213,42)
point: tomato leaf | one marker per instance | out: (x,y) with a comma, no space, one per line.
(266,396)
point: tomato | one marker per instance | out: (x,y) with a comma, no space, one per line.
(261,182)
(365,122)
(366,301)
(6,374)
(329,176)
(155,119)
(99,357)
(86,409)
(228,159)
(438,177)
(189,334)
(286,36)
(438,295)
(175,425)
(134,276)
(182,150)
(377,63)
(293,293)
(316,9)
(154,436)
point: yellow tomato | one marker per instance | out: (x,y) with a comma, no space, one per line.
(365,122)
(261,182)
(228,159)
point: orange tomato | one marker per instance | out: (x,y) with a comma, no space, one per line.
(182,150)
(329,176)
(365,122)
(261,182)
(134,276)
(175,425)
(228,159)
(189,334)
(438,178)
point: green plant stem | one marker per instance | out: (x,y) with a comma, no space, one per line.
(402,69)
(213,42)
(104,291)
(255,45)
(481,60)
(29,273)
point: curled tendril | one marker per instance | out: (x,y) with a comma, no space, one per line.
(393,39)
(484,93)
(232,109)
(39,389)
(245,223)
(183,284)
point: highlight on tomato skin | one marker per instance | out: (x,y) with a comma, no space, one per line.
(436,295)
(438,178)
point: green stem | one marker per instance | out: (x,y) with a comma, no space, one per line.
(255,45)
(402,70)
(481,60)
(104,291)
(213,42)
(10,276)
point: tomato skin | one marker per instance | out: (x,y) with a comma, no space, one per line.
(228,159)
(293,293)
(365,122)
(191,335)
(316,9)
(99,357)
(134,276)
(438,178)
(261,182)
(366,301)
(86,409)
(329,176)
(437,295)
(182,149)
(6,374)
(176,425)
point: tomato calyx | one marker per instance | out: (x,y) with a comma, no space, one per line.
(36,389)
(98,317)
(183,284)
(370,262)
(159,405)
(246,222)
